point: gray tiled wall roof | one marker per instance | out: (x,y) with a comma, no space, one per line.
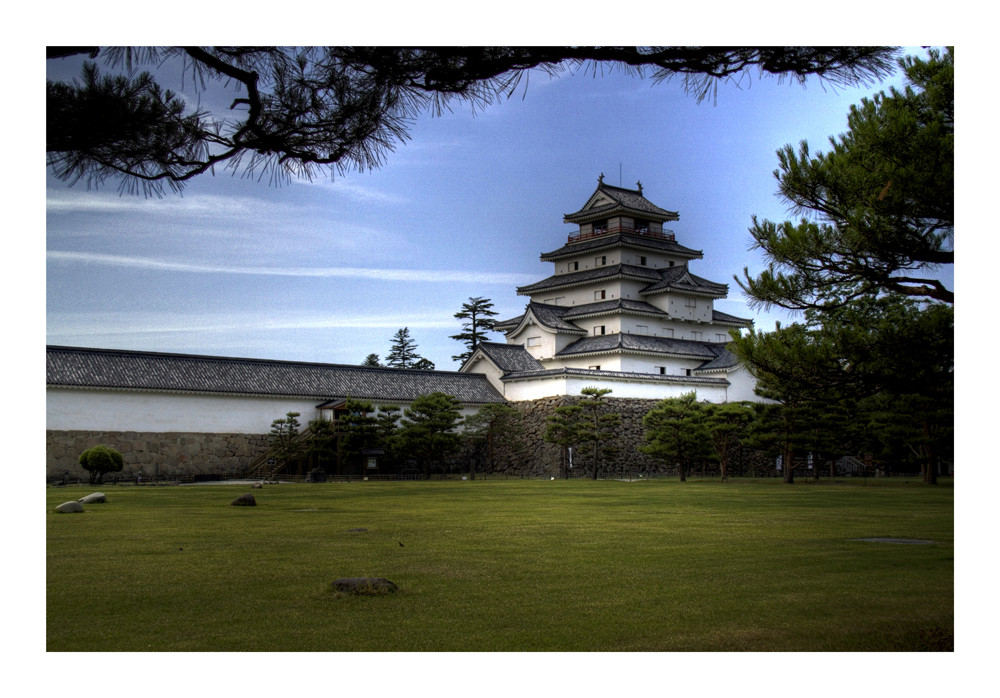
(134,370)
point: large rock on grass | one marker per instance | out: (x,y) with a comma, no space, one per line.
(244,500)
(95,498)
(365,585)
(70,508)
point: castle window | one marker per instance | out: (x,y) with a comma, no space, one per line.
(594,368)
(695,334)
(642,329)
(642,261)
(574,266)
(600,261)
(599,295)
(534,341)
(599,330)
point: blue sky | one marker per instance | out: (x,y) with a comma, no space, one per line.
(329,270)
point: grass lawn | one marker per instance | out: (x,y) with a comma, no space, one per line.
(519,565)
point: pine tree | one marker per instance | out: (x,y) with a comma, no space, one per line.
(881,202)
(478,312)
(587,422)
(677,432)
(403,353)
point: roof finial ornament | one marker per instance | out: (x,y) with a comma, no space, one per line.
(639,185)
(600,180)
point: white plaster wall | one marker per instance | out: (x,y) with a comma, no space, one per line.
(741,386)
(491,372)
(572,385)
(612,324)
(93,410)
(607,362)
(647,364)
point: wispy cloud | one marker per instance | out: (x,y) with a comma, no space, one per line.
(352,190)
(202,205)
(70,328)
(374,274)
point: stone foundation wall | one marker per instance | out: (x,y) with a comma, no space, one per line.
(532,456)
(155,454)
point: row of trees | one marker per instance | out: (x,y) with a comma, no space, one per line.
(684,434)
(421,436)
(688,436)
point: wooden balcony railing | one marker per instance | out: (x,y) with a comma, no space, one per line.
(614,230)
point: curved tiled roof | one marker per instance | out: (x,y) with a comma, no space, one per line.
(727,319)
(723,360)
(640,343)
(618,305)
(621,239)
(160,372)
(510,358)
(680,279)
(551,316)
(627,375)
(625,200)
(590,275)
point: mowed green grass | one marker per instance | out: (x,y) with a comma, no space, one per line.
(521,565)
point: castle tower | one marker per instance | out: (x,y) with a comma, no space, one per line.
(621,305)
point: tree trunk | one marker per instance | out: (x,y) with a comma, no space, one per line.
(930,474)
(788,465)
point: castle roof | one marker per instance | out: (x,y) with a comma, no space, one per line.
(623,238)
(114,369)
(599,375)
(659,280)
(608,200)
(587,276)
(680,279)
(509,358)
(639,343)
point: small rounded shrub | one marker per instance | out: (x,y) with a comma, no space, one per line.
(101,459)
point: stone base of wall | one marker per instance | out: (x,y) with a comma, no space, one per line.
(155,454)
(532,456)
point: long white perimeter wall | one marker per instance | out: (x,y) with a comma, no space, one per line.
(92,410)
(107,410)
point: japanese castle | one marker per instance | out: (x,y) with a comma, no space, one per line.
(621,310)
